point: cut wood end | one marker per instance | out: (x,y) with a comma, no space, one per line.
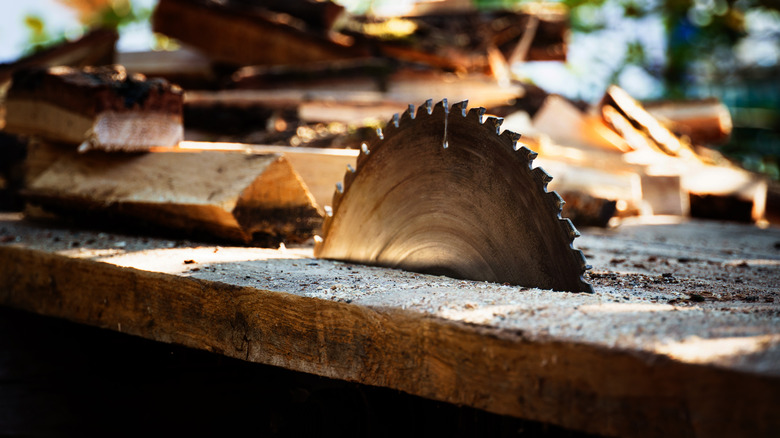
(250,198)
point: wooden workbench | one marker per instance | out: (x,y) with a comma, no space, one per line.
(681,337)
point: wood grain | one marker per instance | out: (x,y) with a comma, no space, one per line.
(226,194)
(574,385)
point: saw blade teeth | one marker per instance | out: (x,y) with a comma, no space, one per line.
(494,123)
(557,200)
(363,156)
(476,114)
(349,176)
(527,153)
(441,107)
(569,228)
(404,126)
(461,107)
(429,106)
(337,196)
(511,137)
(542,176)
(580,256)
(409,114)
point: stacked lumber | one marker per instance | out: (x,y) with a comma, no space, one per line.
(621,152)
(717,188)
(304,73)
(103,151)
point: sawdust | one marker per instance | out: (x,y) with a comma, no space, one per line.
(704,287)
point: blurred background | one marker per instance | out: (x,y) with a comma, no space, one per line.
(655,50)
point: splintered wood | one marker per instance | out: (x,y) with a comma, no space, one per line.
(249,198)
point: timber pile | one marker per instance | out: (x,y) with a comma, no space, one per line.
(304,73)
(617,150)
(247,198)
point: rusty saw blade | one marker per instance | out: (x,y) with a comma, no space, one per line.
(440,191)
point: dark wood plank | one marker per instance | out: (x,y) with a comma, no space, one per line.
(603,387)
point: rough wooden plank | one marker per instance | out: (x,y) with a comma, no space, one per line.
(634,366)
(369,98)
(705,121)
(230,195)
(94,48)
(245,36)
(320,169)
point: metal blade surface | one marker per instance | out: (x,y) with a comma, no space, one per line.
(441,192)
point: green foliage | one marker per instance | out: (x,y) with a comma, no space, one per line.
(120,14)
(38,35)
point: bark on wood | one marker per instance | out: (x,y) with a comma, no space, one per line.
(229,195)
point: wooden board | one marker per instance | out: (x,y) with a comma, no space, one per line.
(706,121)
(320,169)
(226,194)
(244,36)
(681,337)
(94,48)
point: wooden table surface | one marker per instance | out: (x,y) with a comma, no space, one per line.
(681,337)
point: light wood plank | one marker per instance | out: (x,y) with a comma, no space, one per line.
(228,194)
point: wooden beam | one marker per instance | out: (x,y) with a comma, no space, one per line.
(705,370)
(94,48)
(230,195)
(320,169)
(705,121)
(245,36)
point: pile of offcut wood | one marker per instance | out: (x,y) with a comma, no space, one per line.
(104,146)
(266,88)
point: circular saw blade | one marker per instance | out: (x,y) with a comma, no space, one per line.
(441,192)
